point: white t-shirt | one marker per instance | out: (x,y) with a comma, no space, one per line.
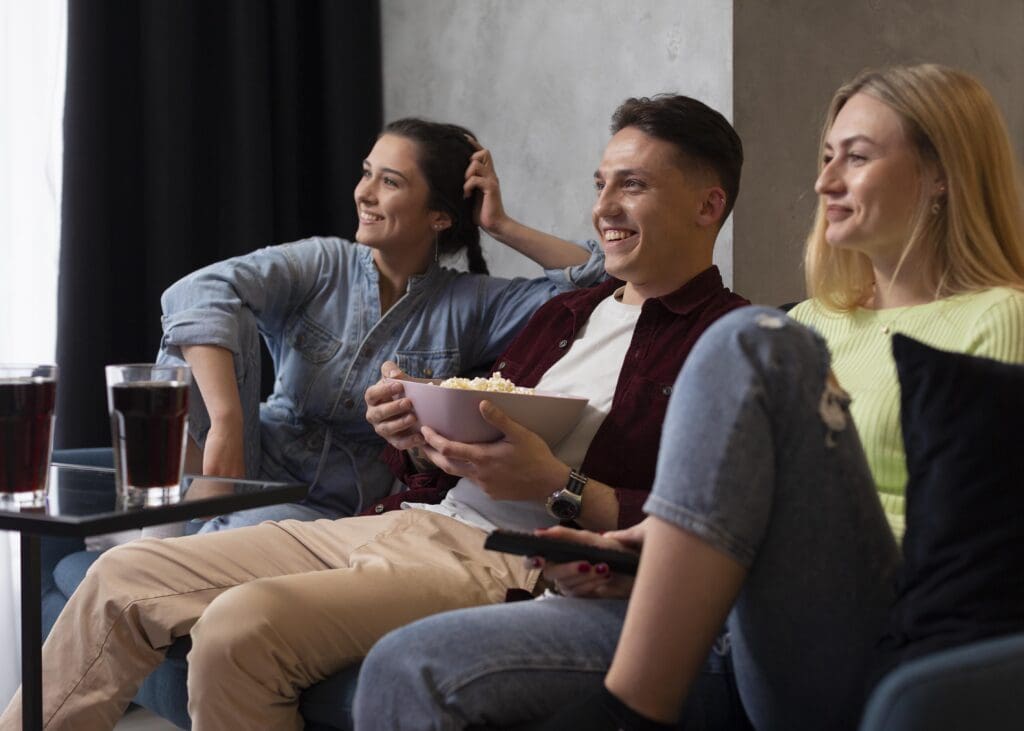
(590,369)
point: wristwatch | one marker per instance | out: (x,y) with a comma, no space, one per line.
(567,502)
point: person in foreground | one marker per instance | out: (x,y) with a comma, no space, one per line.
(765,513)
(274,608)
(332,310)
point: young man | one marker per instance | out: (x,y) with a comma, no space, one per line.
(274,608)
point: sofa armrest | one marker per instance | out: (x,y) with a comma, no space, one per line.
(974,686)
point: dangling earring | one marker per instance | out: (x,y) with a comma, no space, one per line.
(937,205)
(437,233)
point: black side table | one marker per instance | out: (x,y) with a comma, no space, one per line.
(83,501)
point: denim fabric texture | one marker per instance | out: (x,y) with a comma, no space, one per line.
(316,304)
(759,458)
(510,664)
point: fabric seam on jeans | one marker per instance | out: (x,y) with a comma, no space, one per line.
(478,672)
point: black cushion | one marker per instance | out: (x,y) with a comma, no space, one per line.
(963,429)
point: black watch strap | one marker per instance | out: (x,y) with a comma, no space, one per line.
(577,481)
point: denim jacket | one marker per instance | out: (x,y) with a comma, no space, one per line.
(316,304)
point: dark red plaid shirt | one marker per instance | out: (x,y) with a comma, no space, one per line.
(624,451)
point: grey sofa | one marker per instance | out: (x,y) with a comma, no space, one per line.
(975,686)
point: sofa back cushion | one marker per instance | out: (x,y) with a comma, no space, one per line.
(963,430)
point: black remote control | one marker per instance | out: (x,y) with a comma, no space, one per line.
(557,550)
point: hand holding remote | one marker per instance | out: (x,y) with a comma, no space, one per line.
(559,549)
(580,563)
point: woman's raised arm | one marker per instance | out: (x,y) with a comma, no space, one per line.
(551,252)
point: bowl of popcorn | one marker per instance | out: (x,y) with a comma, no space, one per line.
(452,407)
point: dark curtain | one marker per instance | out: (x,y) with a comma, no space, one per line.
(195,130)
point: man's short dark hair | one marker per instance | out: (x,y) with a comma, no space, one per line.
(703,137)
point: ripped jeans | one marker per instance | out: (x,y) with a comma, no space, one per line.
(760,458)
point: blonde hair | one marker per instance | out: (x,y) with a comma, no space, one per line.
(976,240)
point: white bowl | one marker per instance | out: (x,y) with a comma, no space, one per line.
(454,413)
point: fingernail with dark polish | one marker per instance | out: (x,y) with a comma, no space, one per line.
(601,568)
(583,568)
(537,563)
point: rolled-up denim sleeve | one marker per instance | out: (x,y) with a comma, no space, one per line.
(586,274)
(203,308)
(505,305)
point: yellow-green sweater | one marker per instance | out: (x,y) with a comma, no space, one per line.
(989,323)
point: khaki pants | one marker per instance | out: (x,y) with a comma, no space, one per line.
(272,609)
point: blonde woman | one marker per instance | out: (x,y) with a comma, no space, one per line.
(765,516)
(948,275)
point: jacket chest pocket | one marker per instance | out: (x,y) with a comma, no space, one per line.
(313,342)
(303,371)
(429,363)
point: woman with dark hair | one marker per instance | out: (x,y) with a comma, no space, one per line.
(331,311)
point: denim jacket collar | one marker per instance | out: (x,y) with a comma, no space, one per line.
(416,283)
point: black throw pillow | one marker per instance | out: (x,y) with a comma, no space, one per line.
(963,550)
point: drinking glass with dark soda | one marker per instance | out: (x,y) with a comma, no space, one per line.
(28,394)
(149,425)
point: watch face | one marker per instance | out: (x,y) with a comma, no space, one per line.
(563,509)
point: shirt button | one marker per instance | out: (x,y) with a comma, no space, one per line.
(502,365)
(667,390)
(428,372)
(349,403)
(378,508)
(562,343)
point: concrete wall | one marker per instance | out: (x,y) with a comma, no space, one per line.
(538,80)
(790,55)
